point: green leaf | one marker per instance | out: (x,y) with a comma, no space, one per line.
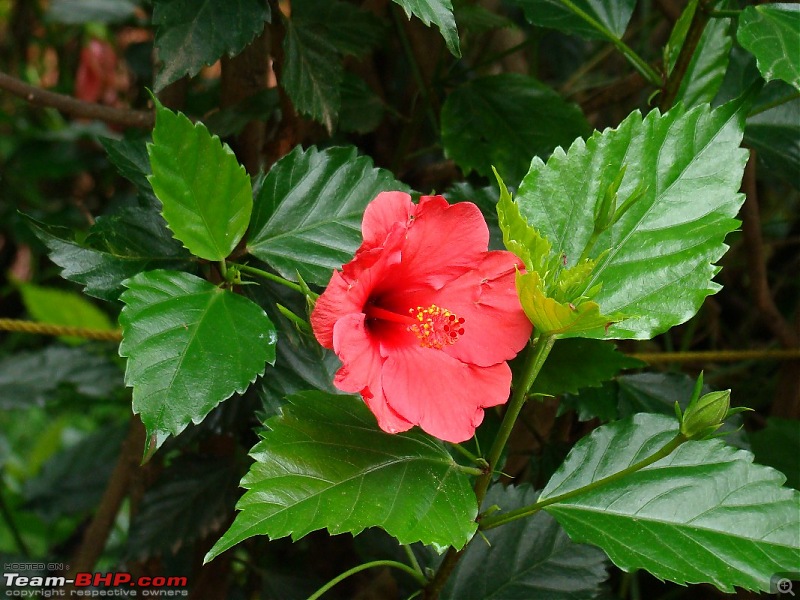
(317,35)
(770,32)
(532,559)
(655,262)
(709,63)
(233,119)
(312,74)
(129,156)
(588,18)
(37,378)
(325,464)
(73,480)
(362,109)
(190,345)
(503,120)
(78,12)
(307,215)
(190,498)
(117,247)
(205,192)
(63,307)
(703,514)
(600,361)
(193,33)
(775,135)
(438,12)
(778,445)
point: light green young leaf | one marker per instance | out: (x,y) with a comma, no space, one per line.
(193,33)
(655,263)
(532,559)
(190,345)
(553,317)
(438,12)
(62,307)
(703,514)
(205,192)
(307,216)
(770,32)
(327,451)
(501,121)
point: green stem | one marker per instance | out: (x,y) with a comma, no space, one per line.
(413,559)
(638,63)
(271,276)
(526,511)
(481,462)
(535,358)
(375,563)
(471,470)
(537,354)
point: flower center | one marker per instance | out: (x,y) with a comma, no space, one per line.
(435,327)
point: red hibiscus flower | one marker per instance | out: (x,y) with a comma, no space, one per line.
(424,318)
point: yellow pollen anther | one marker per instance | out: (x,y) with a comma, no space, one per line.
(436,327)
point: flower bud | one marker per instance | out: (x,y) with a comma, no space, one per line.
(704,416)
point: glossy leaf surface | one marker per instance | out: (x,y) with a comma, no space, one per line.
(679,174)
(307,215)
(327,451)
(118,246)
(190,345)
(531,559)
(205,192)
(705,513)
(770,32)
(709,63)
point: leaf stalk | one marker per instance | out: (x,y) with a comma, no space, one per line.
(370,565)
(526,511)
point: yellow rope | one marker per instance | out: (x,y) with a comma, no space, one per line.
(111,335)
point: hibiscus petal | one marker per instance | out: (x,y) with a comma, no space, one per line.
(441,394)
(495,326)
(361,370)
(349,290)
(442,240)
(382,214)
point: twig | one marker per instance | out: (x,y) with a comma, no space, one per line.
(77,108)
(756,262)
(96,536)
